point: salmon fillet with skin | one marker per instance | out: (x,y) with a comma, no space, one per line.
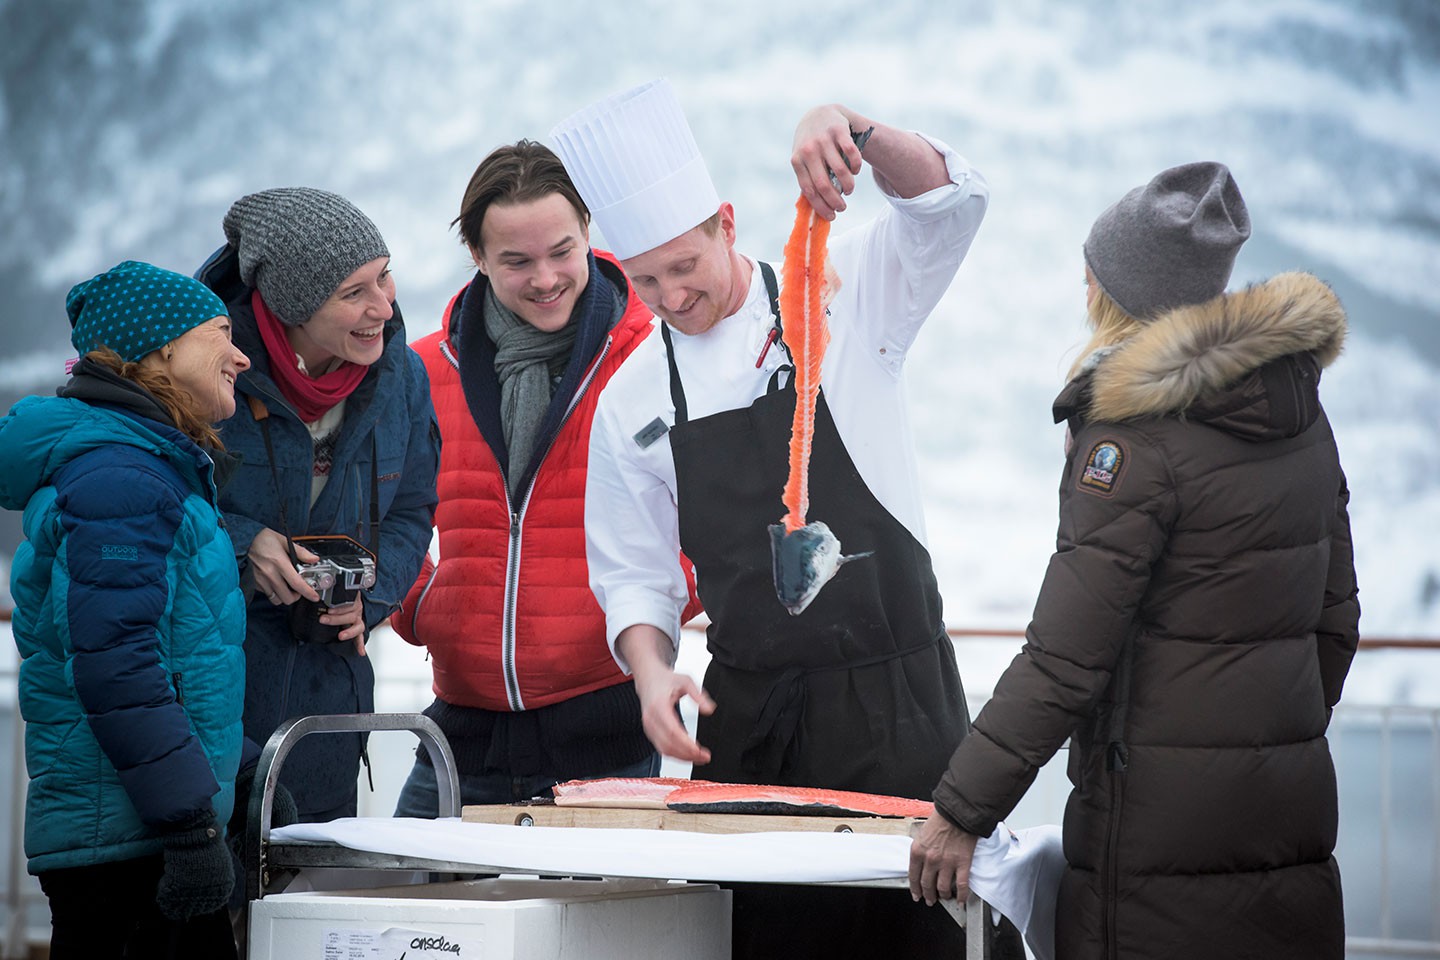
(704,796)
(790,801)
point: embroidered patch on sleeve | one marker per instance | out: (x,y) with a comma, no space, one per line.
(1103,466)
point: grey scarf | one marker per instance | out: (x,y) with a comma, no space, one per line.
(526,359)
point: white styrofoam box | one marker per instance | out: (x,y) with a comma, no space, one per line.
(505,918)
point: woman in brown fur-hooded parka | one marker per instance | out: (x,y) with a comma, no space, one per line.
(1198,617)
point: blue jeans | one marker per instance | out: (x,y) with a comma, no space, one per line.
(420,797)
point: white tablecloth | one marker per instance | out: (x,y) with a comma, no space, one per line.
(1016,872)
(567,851)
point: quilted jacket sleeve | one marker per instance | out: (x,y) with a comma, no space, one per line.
(118,538)
(1338,634)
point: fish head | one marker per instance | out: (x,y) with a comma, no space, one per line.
(803,560)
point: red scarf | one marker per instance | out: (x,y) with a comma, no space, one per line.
(311,396)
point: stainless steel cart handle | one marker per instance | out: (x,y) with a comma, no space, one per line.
(283,740)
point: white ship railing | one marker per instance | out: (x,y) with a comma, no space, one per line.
(1402,916)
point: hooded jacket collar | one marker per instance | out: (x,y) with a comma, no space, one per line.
(96,383)
(1247,362)
(41,435)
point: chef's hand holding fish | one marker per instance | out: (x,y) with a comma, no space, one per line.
(651,655)
(940,858)
(826,156)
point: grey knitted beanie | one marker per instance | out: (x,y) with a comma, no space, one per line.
(1171,242)
(297,244)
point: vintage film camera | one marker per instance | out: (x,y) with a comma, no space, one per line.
(344,569)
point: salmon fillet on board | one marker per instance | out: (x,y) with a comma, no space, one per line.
(700,797)
(704,796)
(630,793)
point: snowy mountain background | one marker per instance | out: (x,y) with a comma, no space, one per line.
(127,128)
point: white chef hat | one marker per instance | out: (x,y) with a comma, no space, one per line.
(634,160)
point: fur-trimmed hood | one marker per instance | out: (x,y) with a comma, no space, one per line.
(1248,362)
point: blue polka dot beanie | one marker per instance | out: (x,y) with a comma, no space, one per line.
(137,307)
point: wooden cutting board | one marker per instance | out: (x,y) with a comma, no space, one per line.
(549,815)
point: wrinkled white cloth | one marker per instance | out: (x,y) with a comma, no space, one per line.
(601,852)
(1016,872)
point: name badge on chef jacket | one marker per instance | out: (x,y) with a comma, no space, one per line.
(651,432)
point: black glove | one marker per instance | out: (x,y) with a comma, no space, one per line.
(282,805)
(198,876)
(283,811)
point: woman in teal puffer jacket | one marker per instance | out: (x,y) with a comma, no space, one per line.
(129,622)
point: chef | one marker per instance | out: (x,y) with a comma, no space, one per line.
(690,451)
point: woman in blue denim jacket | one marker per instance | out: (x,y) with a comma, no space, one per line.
(338,437)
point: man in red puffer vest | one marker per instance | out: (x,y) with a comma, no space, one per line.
(527,691)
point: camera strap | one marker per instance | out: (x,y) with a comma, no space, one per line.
(374,505)
(261,413)
(262,417)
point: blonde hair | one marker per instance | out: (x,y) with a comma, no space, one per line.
(177,402)
(1109,325)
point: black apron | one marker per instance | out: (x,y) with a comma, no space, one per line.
(858,692)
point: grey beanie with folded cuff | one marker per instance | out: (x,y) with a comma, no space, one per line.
(1170,243)
(296,245)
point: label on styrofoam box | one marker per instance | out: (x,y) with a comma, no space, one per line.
(395,943)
